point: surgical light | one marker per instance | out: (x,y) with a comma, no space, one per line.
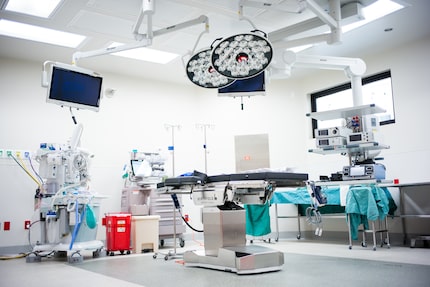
(242,56)
(201,72)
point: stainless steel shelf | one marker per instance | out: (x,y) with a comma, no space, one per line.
(350,149)
(346,112)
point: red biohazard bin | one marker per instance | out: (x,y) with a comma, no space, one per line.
(118,227)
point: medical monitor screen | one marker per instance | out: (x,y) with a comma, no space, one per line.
(135,165)
(75,87)
(245,87)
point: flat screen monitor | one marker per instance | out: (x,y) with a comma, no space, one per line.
(74,87)
(245,87)
(140,167)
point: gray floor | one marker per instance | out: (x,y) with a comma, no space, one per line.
(307,263)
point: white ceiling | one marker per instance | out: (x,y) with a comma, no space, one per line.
(107,21)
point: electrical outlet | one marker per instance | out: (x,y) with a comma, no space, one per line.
(27,224)
(17,154)
(1,153)
(9,153)
(27,154)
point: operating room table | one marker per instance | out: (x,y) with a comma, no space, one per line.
(224,220)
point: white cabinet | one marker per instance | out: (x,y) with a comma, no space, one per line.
(170,219)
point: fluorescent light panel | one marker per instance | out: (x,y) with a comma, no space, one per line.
(39,34)
(145,54)
(39,8)
(371,13)
(374,12)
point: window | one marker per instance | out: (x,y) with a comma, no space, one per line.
(377,89)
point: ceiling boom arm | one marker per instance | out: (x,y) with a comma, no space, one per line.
(354,68)
(282,38)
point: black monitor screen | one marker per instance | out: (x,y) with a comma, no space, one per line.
(75,88)
(245,87)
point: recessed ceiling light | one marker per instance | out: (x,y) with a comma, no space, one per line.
(145,54)
(39,34)
(33,7)
(373,12)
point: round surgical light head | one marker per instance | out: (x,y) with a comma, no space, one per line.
(242,56)
(201,72)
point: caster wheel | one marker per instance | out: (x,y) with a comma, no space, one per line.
(299,236)
(162,242)
(166,257)
(182,243)
(128,251)
(374,248)
(363,244)
(350,247)
(154,256)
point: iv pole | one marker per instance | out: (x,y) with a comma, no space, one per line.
(172,148)
(204,127)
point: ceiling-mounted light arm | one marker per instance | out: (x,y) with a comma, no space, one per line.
(146,41)
(199,20)
(354,68)
(148,8)
(190,53)
(297,9)
(282,37)
(202,19)
(336,30)
(322,14)
(109,50)
(332,19)
(200,36)
(242,17)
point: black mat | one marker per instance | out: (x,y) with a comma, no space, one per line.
(298,270)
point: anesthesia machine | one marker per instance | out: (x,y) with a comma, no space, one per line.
(68,209)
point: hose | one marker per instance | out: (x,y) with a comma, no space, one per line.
(78,221)
(313,216)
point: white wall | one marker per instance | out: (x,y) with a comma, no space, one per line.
(135,117)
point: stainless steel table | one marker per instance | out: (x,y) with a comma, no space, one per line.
(415,205)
